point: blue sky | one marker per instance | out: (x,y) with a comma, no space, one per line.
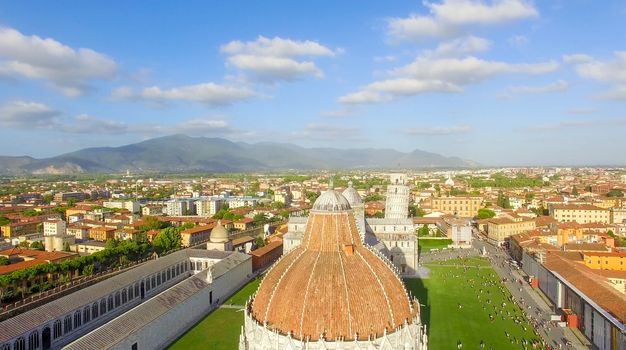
(500,82)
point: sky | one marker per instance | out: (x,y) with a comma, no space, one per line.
(499,82)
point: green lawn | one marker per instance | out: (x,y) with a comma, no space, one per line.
(449,286)
(426,245)
(220,329)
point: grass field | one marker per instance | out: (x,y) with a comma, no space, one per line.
(426,245)
(449,285)
(220,329)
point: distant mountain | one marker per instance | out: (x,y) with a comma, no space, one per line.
(181,153)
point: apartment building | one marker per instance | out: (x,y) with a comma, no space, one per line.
(466,207)
(580,213)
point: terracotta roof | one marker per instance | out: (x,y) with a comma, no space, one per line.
(594,286)
(577,207)
(267,248)
(332,285)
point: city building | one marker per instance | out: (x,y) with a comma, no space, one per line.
(357,301)
(209,206)
(466,207)
(581,213)
(66,196)
(459,230)
(131,206)
(53,227)
(102,233)
(499,229)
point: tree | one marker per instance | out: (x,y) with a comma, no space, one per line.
(71,202)
(66,246)
(503,201)
(4,221)
(379,215)
(423,231)
(37,245)
(416,211)
(31,212)
(168,239)
(615,193)
(260,242)
(47,198)
(259,219)
(111,244)
(152,223)
(4,260)
(485,213)
(278,205)
(311,196)
(574,191)
(373,197)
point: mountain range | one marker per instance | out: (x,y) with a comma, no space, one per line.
(181,153)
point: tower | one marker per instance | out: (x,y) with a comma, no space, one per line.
(397,203)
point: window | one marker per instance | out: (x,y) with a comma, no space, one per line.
(103,307)
(136,288)
(110,303)
(57,329)
(131,293)
(87,314)
(168,274)
(133,347)
(19,344)
(77,319)
(5,347)
(124,297)
(33,340)
(67,324)
(158,280)
(117,299)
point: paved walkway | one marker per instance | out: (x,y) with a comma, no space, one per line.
(232,306)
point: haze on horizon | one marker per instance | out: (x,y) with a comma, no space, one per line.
(512,82)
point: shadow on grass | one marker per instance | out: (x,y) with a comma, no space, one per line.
(418,289)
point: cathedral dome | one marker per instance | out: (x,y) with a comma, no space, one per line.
(352,195)
(332,286)
(219,234)
(331,201)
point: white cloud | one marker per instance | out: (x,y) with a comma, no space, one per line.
(277,59)
(275,68)
(432,74)
(518,41)
(612,73)
(387,58)
(207,93)
(558,86)
(276,47)
(363,97)
(577,58)
(27,115)
(437,130)
(463,46)
(449,17)
(70,70)
(339,113)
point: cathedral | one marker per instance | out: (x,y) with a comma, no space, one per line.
(333,290)
(393,236)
